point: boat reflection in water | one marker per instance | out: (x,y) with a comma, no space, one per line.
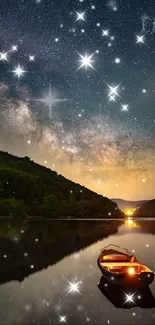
(121,267)
(127,298)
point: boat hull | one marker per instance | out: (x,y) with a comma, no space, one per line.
(137,281)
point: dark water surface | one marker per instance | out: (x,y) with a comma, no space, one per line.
(40,260)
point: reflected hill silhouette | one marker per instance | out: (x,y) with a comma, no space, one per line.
(30,247)
(126,298)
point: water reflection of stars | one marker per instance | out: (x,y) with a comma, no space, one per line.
(74,287)
(62,319)
(129,298)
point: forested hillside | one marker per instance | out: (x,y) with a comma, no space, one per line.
(28,189)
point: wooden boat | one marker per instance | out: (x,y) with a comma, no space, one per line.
(119,266)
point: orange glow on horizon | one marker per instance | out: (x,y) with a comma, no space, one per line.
(130,211)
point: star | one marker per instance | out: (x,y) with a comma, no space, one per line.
(19,71)
(112,98)
(74,287)
(113,90)
(117,60)
(14,48)
(129,298)
(62,319)
(50,100)
(105,32)
(3,56)
(125,108)
(31,57)
(27,307)
(86,61)
(80,15)
(140,39)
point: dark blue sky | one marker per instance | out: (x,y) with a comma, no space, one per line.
(108,147)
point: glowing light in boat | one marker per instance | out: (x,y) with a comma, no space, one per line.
(131,270)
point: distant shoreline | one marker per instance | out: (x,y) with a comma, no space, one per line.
(75,219)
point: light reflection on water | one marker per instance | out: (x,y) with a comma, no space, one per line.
(62,255)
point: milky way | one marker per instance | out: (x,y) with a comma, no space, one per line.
(77,91)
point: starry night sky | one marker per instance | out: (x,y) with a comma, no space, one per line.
(60,65)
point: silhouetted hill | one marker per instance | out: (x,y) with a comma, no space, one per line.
(28,189)
(146,209)
(123,204)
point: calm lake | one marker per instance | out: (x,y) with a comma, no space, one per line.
(49,272)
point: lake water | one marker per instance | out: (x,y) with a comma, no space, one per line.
(39,262)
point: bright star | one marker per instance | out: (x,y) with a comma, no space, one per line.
(19,71)
(31,57)
(86,61)
(74,287)
(125,108)
(105,32)
(14,48)
(62,319)
(112,98)
(140,39)
(117,60)
(3,56)
(129,298)
(113,90)
(80,15)
(50,100)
